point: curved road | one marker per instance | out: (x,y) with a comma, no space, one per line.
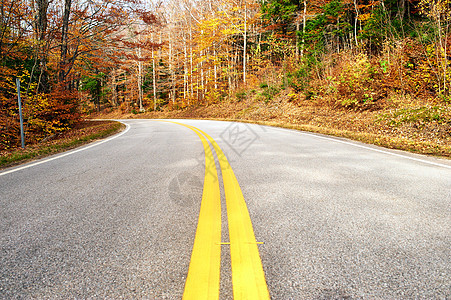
(117,219)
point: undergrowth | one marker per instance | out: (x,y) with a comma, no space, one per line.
(422,115)
(95,130)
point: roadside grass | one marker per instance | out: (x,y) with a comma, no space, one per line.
(89,131)
(421,115)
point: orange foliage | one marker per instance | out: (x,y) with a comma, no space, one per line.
(44,115)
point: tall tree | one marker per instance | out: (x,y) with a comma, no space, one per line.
(42,44)
(64,41)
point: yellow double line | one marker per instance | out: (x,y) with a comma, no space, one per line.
(248,278)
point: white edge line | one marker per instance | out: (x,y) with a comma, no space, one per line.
(127,128)
(370,148)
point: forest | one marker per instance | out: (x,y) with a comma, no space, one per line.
(345,60)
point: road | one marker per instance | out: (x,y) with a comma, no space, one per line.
(332,218)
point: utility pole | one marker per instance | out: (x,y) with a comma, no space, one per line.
(22,136)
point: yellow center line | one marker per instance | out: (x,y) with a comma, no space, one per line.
(202,281)
(248,277)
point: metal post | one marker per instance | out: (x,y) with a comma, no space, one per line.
(22,137)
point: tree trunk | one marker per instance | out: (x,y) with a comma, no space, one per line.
(185,70)
(245,43)
(154,80)
(355,22)
(171,67)
(140,83)
(297,38)
(41,31)
(202,94)
(303,28)
(113,89)
(64,41)
(215,69)
(191,59)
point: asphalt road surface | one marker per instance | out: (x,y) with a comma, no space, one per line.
(334,219)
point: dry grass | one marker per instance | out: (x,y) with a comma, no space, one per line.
(85,132)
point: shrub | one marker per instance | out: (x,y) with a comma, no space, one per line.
(269,93)
(240,95)
(44,115)
(358,83)
(423,114)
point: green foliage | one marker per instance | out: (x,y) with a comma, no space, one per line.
(376,29)
(299,80)
(425,32)
(241,95)
(268,92)
(93,84)
(445,98)
(334,23)
(280,12)
(385,23)
(384,65)
(423,114)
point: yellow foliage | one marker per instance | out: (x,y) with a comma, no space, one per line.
(364,17)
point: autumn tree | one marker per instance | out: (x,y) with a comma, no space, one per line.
(439,12)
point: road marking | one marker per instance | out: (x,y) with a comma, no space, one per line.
(365,147)
(382,151)
(203,277)
(248,277)
(127,128)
